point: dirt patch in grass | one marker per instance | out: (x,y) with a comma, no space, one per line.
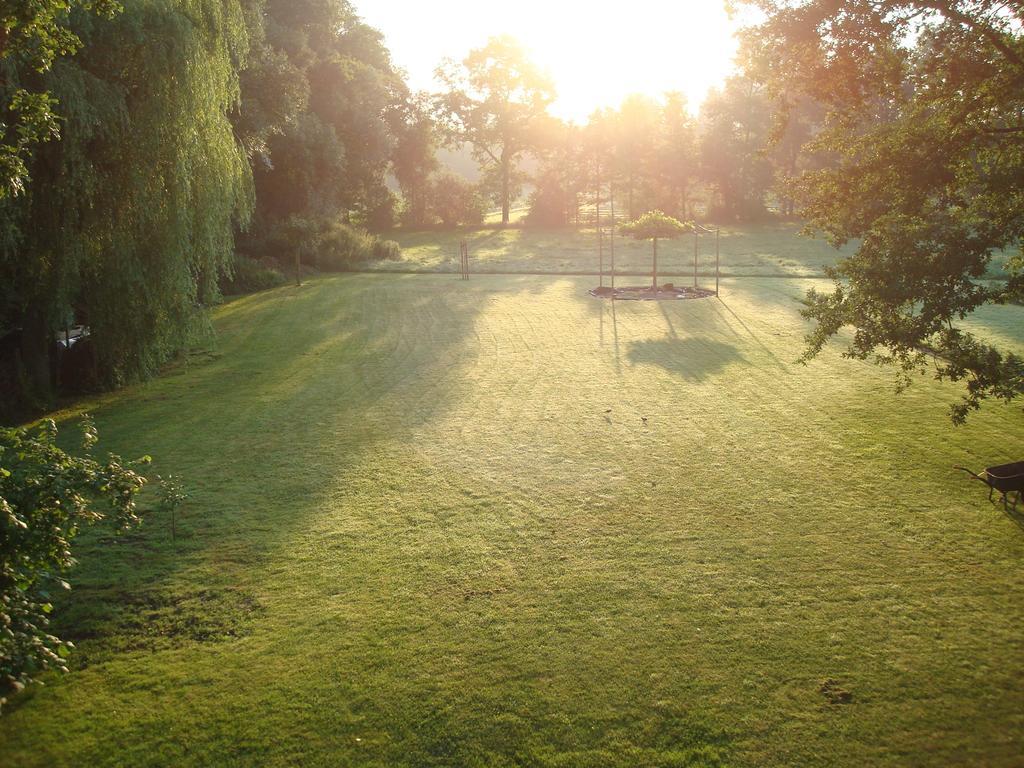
(835,693)
(158,619)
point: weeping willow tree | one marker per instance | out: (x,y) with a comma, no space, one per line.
(128,219)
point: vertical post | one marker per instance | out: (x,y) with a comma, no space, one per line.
(654,269)
(696,245)
(464,260)
(717,261)
(611,237)
(597,221)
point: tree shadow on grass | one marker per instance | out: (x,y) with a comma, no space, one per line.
(692,359)
(307,381)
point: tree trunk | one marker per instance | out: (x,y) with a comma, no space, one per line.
(654,268)
(505,204)
(35,359)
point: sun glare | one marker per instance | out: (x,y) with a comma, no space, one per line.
(596,53)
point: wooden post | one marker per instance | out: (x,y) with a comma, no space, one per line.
(464,260)
(600,256)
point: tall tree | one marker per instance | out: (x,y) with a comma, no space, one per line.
(735,126)
(330,156)
(562,176)
(675,156)
(925,118)
(496,100)
(635,131)
(129,218)
(414,157)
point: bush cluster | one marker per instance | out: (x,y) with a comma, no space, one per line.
(248,276)
(316,243)
(46,497)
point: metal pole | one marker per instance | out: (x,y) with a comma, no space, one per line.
(717,261)
(611,238)
(654,270)
(696,241)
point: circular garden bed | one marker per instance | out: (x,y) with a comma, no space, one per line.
(666,292)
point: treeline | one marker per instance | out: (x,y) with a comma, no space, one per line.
(725,163)
(153,151)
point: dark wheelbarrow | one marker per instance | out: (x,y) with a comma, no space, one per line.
(1004,479)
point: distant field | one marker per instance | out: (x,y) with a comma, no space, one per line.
(769,250)
(502,523)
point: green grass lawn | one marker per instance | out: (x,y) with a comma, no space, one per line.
(429,526)
(766,250)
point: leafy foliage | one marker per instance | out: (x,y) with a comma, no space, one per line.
(130,218)
(654,225)
(736,121)
(496,100)
(413,159)
(322,243)
(46,497)
(326,145)
(248,276)
(33,35)
(925,102)
(454,202)
(172,495)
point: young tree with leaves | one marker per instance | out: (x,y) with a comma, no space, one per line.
(925,104)
(654,226)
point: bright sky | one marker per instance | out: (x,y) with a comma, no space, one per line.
(596,52)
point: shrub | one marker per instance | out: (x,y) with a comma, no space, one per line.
(326,243)
(46,496)
(387,249)
(342,247)
(382,210)
(455,202)
(549,202)
(248,276)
